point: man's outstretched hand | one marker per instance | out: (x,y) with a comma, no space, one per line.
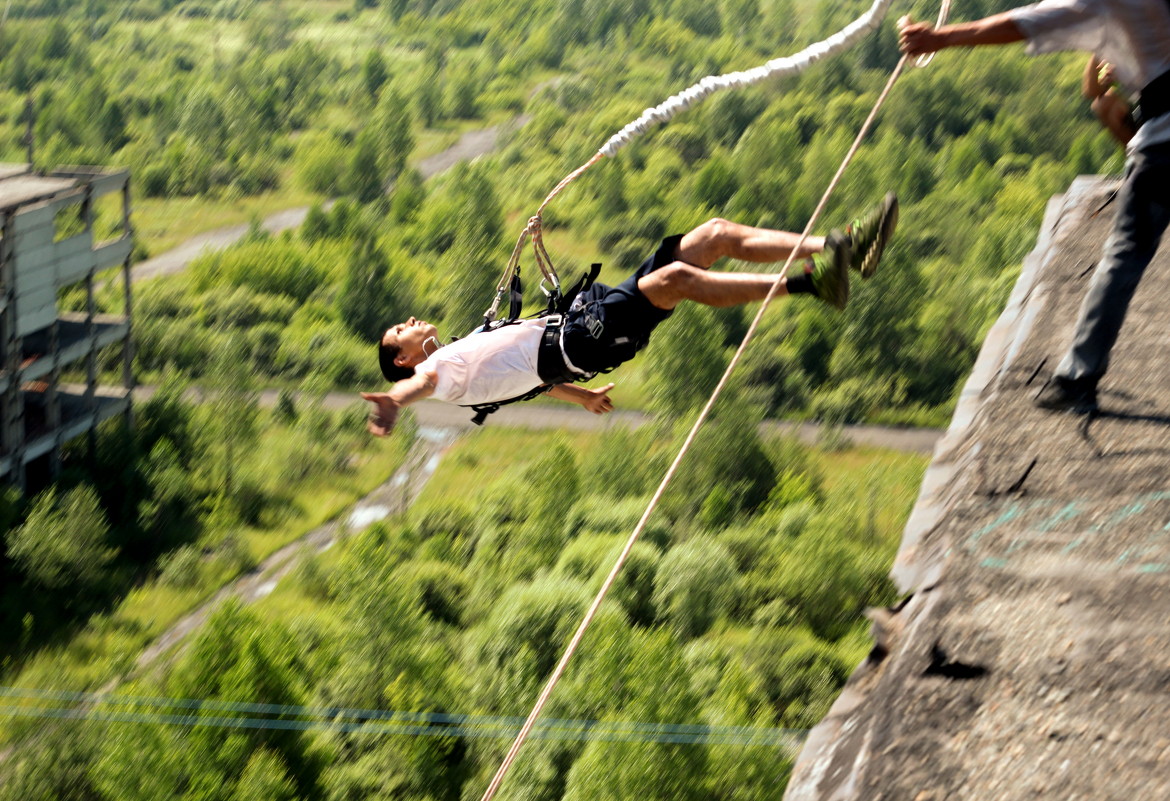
(381,421)
(599,402)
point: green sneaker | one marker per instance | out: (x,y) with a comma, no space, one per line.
(829,275)
(869,234)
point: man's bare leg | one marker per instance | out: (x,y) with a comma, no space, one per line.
(667,286)
(688,278)
(718,238)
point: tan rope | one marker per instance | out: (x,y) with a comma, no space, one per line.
(568,179)
(589,615)
(534,223)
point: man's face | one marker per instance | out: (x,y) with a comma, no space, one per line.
(410,338)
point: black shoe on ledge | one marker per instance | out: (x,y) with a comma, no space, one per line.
(1067,395)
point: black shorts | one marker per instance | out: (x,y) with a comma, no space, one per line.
(608,325)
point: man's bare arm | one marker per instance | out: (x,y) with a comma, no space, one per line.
(595,400)
(388,404)
(920,38)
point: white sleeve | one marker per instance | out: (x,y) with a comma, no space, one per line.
(451,376)
(1054,25)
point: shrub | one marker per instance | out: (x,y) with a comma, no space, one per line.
(63,542)
(694,585)
(180,568)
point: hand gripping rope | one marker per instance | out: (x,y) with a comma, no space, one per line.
(777,67)
(559,670)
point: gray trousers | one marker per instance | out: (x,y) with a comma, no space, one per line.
(1142,216)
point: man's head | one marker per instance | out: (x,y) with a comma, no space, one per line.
(404,346)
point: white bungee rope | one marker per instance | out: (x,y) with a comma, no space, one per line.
(776,68)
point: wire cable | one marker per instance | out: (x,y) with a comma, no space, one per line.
(189,712)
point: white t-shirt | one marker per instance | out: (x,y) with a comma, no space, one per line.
(488,366)
(1132,35)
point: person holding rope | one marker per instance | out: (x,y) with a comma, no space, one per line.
(606,326)
(1133,36)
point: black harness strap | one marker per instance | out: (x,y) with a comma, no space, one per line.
(550,363)
(584,282)
(482,410)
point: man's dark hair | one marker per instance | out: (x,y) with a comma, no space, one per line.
(393,372)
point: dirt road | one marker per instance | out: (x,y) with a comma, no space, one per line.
(471,145)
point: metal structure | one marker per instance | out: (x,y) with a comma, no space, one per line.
(47,244)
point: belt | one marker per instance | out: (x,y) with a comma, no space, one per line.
(550,359)
(1153,100)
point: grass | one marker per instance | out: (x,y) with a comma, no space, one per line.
(878,486)
(165,223)
(488,453)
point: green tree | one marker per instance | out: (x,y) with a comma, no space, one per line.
(516,648)
(234,414)
(428,99)
(389,660)
(53,762)
(693,586)
(374,73)
(393,125)
(364,178)
(654,689)
(236,657)
(726,453)
(370,295)
(63,543)
(462,89)
(688,360)
(407,197)
(265,778)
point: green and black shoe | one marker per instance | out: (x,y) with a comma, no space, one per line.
(869,234)
(825,275)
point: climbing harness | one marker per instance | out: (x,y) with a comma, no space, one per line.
(550,362)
